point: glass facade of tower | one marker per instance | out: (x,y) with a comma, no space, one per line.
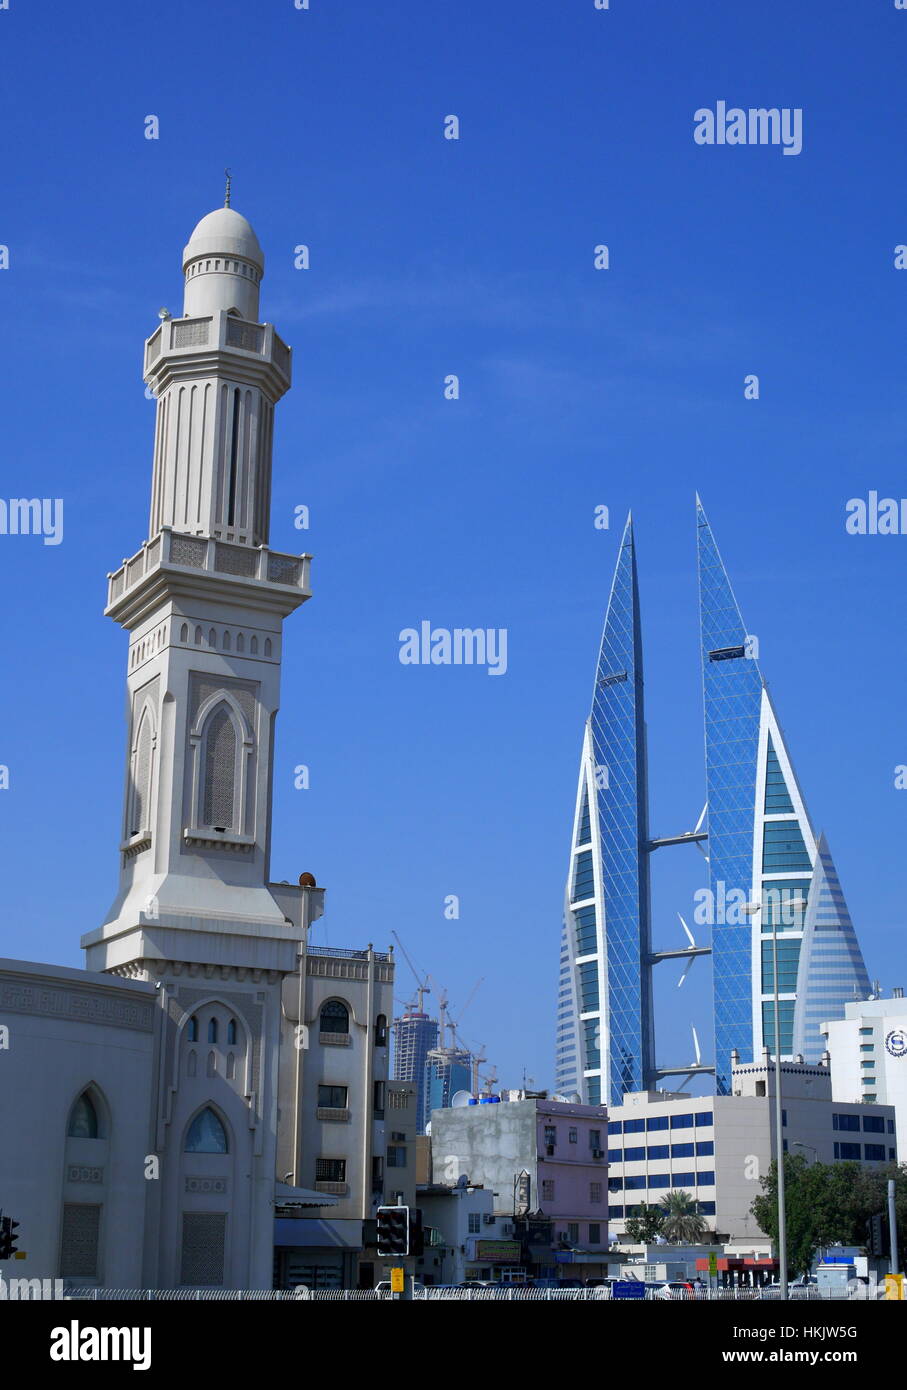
(607,900)
(775,899)
(732,690)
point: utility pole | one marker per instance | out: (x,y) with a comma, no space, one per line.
(779,1117)
(892,1227)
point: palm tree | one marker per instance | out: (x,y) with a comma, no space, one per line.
(681,1222)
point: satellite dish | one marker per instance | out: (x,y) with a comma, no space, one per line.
(561,1100)
(459,1099)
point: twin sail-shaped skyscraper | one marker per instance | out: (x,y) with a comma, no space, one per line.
(772,884)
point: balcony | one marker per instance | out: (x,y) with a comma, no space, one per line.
(226,331)
(174,550)
(335,1189)
(332,1113)
(335,1039)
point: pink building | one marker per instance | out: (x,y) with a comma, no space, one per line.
(546,1161)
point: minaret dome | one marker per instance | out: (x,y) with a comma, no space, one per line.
(223,264)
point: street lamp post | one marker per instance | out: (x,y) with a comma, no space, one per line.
(779,1116)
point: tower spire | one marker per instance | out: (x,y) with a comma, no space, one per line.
(227,190)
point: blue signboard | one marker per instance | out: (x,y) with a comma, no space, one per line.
(628,1288)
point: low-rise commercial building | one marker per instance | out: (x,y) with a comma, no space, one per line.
(545,1163)
(718,1148)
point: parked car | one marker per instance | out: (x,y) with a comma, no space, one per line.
(385,1286)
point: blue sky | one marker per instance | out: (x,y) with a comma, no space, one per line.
(578,388)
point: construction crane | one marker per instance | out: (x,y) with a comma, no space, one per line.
(454,1023)
(422,985)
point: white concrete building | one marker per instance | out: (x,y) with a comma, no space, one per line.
(465,1237)
(717,1148)
(868,1050)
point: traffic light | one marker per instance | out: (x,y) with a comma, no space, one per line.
(416,1237)
(8,1229)
(876,1227)
(393,1230)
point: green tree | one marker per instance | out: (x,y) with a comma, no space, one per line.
(681,1222)
(642,1228)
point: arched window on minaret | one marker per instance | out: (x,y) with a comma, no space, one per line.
(220,744)
(140,772)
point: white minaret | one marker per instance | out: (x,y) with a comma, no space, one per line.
(203,602)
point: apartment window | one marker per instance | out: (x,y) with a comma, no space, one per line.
(573,1232)
(706,1208)
(891,1155)
(615,1213)
(657,1122)
(870,1064)
(572,1135)
(703,1117)
(659,1180)
(335,1017)
(332,1097)
(550,1135)
(705,1148)
(615,1127)
(681,1150)
(847,1151)
(634,1155)
(615,1184)
(681,1121)
(685,1179)
(330,1170)
(846,1122)
(634,1184)
(874,1153)
(474,1220)
(634,1126)
(658,1151)
(871,1098)
(867,1047)
(595,1137)
(595,1233)
(615,1155)
(869,1081)
(706,1177)
(396,1155)
(379,1098)
(595,1192)
(874,1124)
(866,1032)
(891,1126)
(548,1189)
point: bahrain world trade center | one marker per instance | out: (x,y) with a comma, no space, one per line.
(773,892)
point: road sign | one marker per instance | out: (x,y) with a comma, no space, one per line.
(894,1286)
(398,1279)
(628,1288)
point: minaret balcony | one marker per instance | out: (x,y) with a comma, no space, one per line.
(190,338)
(173,559)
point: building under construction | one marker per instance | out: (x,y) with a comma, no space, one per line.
(415,1036)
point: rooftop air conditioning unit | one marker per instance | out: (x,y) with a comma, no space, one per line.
(488,1218)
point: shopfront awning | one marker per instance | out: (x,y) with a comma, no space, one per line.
(310,1233)
(286,1196)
